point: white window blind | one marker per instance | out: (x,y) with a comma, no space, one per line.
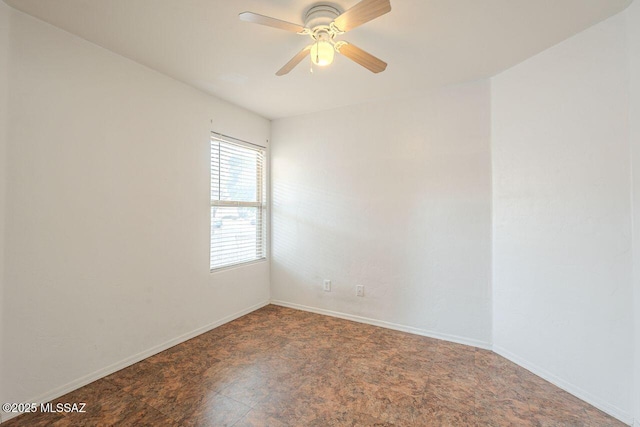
(238,205)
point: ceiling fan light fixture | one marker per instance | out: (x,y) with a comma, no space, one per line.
(323,23)
(322,53)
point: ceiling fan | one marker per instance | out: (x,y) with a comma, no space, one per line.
(323,23)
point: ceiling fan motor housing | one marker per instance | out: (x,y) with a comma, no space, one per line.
(319,18)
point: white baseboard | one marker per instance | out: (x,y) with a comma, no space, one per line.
(425,333)
(101,373)
(606,407)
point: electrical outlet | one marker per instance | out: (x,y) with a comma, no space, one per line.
(327,285)
(359,290)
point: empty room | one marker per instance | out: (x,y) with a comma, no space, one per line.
(308,213)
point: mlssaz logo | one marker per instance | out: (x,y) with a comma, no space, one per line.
(63,407)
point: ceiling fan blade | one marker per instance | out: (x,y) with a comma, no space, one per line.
(361,57)
(294,61)
(271,22)
(361,13)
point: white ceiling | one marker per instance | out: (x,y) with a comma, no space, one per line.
(427,43)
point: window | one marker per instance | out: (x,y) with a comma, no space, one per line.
(238,205)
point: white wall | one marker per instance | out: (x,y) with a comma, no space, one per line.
(4,53)
(395,196)
(633,26)
(107,212)
(562,295)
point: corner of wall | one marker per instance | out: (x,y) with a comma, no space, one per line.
(633,39)
(551,124)
(4,83)
(491,208)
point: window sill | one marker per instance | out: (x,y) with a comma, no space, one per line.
(239,265)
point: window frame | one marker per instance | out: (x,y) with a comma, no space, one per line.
(261,204)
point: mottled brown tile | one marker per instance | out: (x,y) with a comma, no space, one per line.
(141,371)
(283,367)
(34,419)
(107,405)
(286,410)
(189,401)
(216,410)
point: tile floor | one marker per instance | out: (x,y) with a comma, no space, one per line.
(284,367)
